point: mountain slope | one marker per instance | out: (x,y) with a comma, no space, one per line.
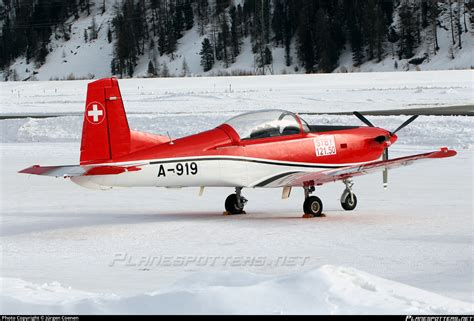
(81,59)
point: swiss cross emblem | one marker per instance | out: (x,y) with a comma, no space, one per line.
(95,113)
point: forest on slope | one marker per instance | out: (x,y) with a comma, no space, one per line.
(311,34)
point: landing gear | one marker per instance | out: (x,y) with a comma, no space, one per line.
(348,198)
(234,203)
(312,205)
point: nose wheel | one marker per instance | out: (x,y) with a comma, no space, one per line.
(348,198)
(312,206)
(235,203)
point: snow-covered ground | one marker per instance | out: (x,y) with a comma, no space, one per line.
(326,290)
(65,249)
(299,93)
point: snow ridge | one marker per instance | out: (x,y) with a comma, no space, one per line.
(326,290)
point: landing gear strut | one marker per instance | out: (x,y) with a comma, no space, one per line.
(312,205)
(348,198)
(234,203)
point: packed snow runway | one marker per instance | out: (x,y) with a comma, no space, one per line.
(66,249)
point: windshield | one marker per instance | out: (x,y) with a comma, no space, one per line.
(263,124)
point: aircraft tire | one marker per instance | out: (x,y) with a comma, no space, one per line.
(347,203)
(313,206)
(231,205)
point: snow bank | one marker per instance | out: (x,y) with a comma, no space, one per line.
(327,290)
(298,93)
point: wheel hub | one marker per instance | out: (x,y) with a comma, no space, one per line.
(315,207)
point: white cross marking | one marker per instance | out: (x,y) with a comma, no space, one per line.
(95,113)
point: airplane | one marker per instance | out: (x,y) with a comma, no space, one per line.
(259,149)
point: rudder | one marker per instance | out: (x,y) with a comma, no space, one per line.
(105,130)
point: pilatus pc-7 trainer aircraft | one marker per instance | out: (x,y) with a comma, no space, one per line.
(268,149)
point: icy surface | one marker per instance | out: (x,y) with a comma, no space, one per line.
(68,249)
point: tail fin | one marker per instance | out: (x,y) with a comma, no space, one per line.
(105,131)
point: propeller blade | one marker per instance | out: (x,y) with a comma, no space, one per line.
(408,121)
(363,119)
(385,171)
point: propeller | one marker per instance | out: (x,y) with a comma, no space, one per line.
(382,139)
(363,119)
(408,121)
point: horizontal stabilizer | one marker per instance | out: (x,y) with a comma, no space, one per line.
(77,170)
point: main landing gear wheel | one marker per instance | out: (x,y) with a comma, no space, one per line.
(234,203)
(348,198)
(312,207)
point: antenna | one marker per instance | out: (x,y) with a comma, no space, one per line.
(171,141)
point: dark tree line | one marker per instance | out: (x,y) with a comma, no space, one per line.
(312,33)
(27,26)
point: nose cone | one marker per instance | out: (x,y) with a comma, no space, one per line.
(393,138)
(384,137)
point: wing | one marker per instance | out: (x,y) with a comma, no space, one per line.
(332,175)
(77,170)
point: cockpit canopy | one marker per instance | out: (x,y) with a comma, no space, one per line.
(266,123)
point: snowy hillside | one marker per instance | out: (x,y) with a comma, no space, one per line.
(78,58)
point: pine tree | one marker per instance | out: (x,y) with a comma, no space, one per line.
(278,22)
(266,16)
(380,32)
(188,16)
(235,32)
(392,37)
(306,48)
(109,35)
(42,53)
(434,12)
(172,37)
(407,31)
(327,57)
(85,35)
(458,24)
(178,21)
(288,32)
(450,5)
(202,15)
(369,20)
(224,40)
(113,67)
(268,57)
(207,56)
(93,27)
